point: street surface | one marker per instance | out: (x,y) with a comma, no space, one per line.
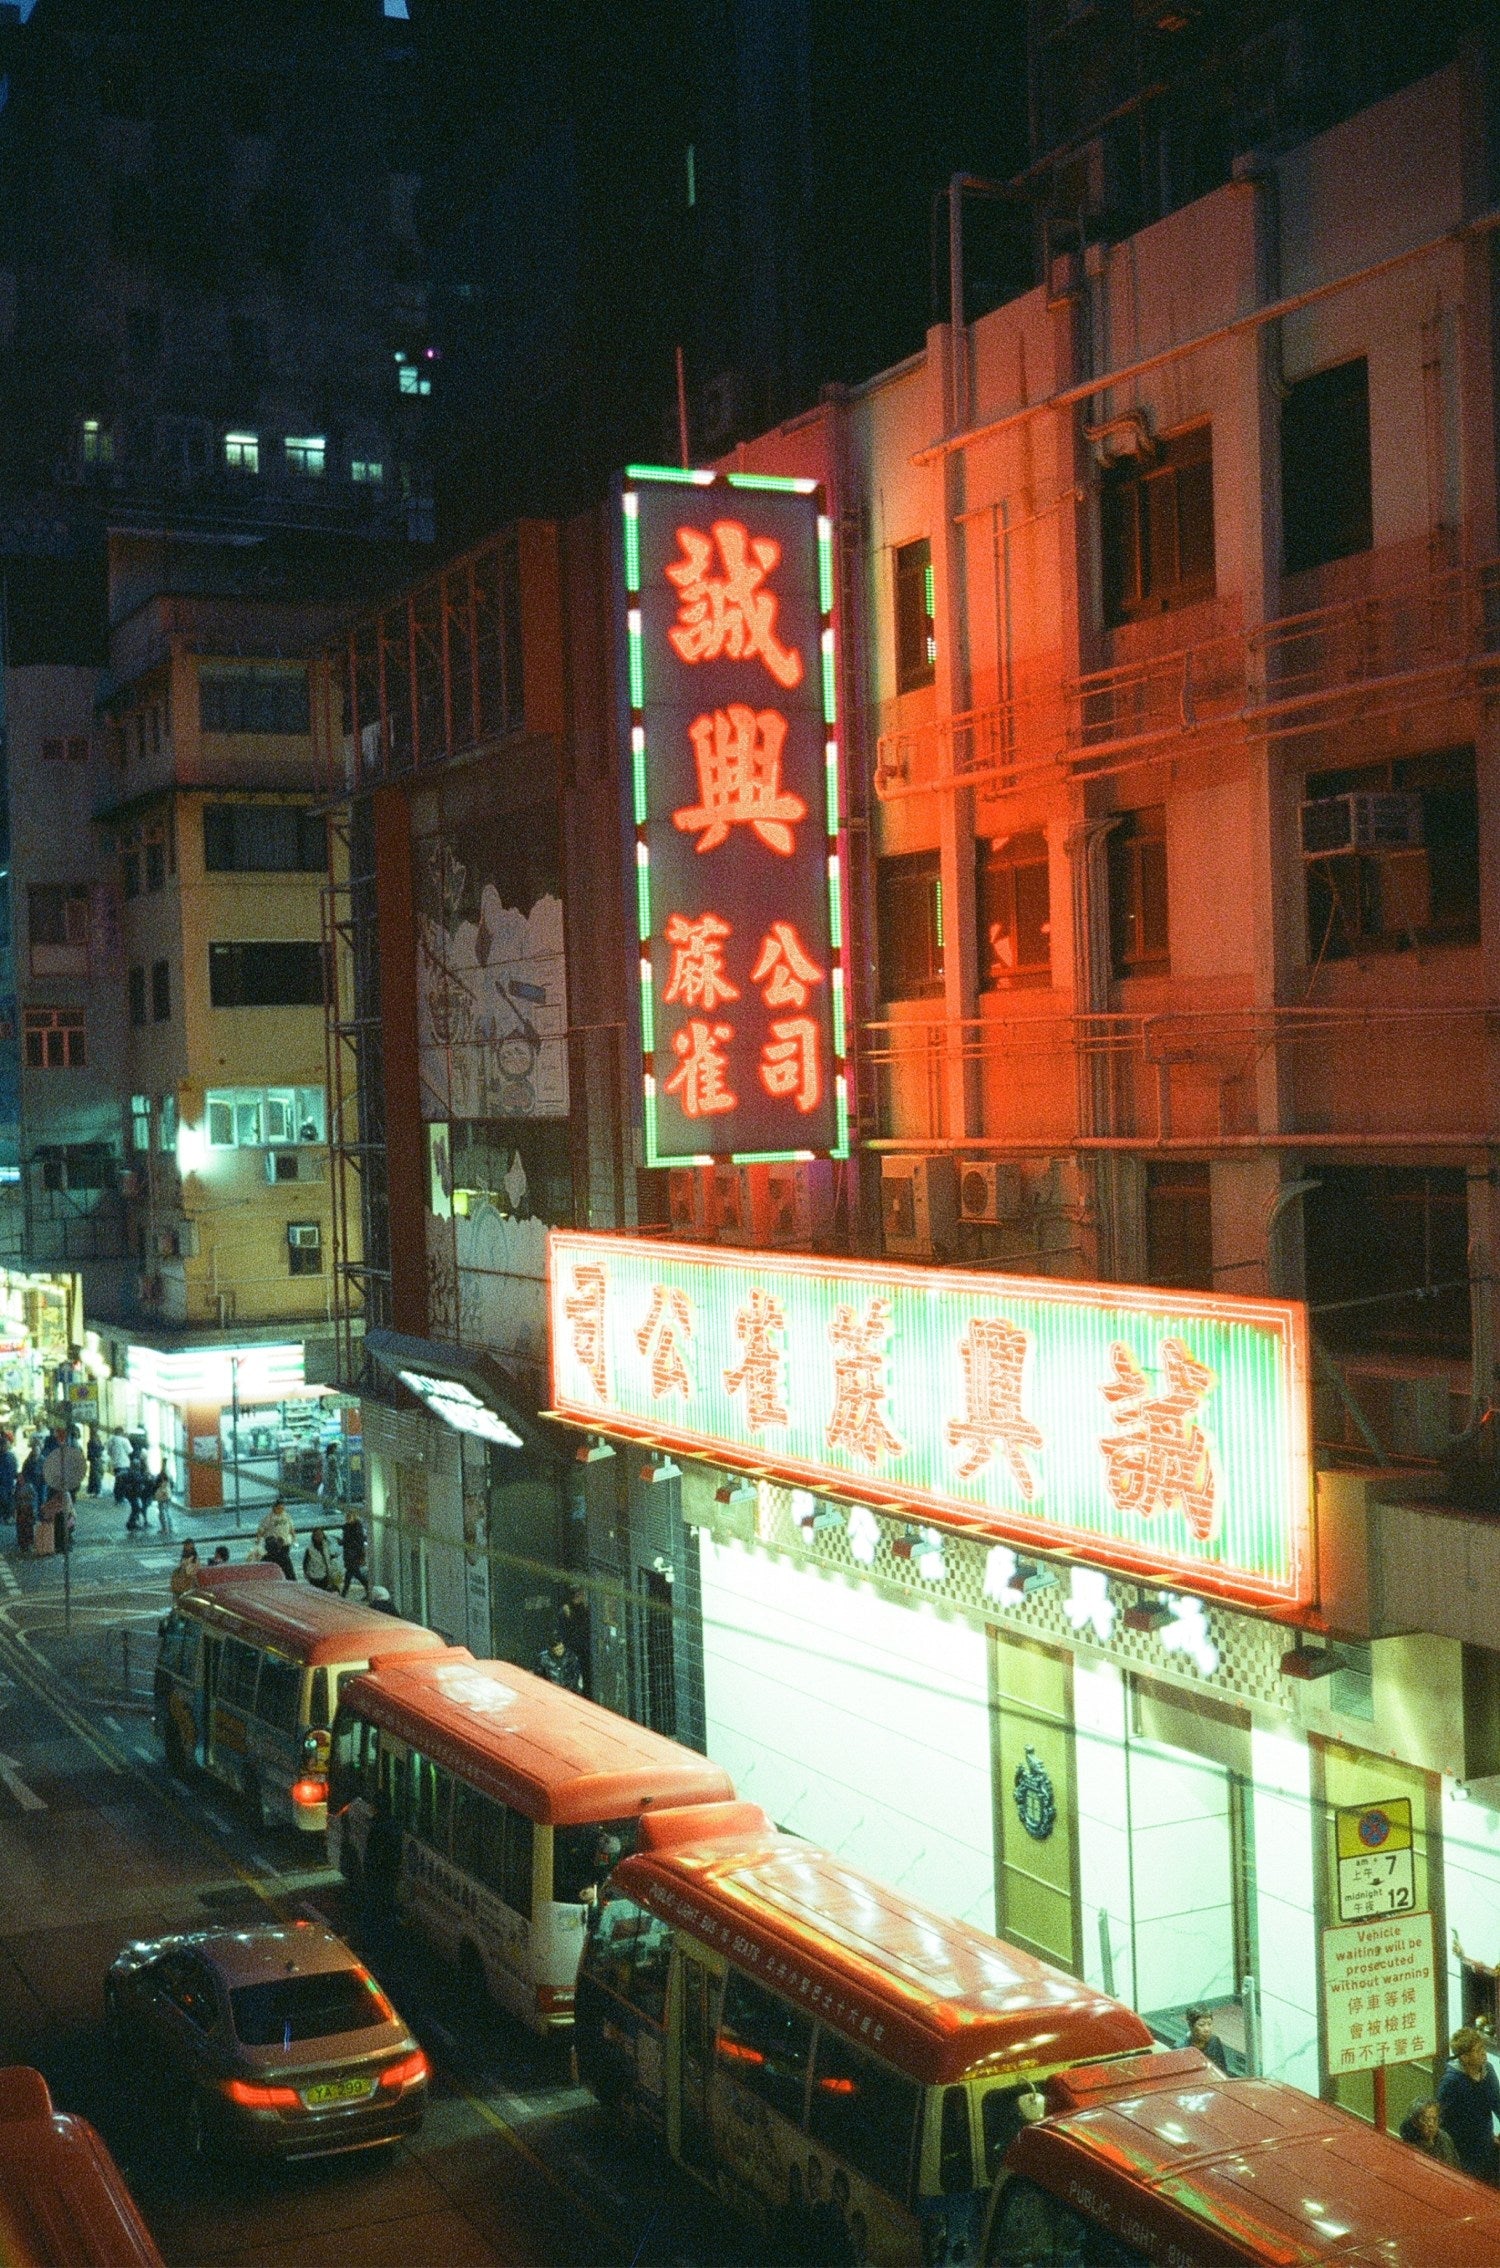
(98,1845)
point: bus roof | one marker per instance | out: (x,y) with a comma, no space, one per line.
(63,2202)
(562,1760)
(938,1998)
(1250,2170)
(312,1626)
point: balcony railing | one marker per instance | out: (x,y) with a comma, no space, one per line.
(1359,658)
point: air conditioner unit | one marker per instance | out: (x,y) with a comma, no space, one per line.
(732,1208)
(918,1206)
(1387,821)
(989,1191)
(296,1165)
(789,1203)
(304,1236)
(686,1201)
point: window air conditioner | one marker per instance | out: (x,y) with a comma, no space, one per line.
(918,1204)
(304,1236)
(295,1165)
(1387,821)
(989,1191)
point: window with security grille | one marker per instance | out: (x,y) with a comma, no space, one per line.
(1156,528)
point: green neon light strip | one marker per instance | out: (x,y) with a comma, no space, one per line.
(638,762)
(648,1010)
(637,660)
(632,510)
(831,775)
(841,1147)
(825,565)
(839,1048)
(771,1157)
(683,477)
(771,480)
(830,694)
(835,906)
(643,893)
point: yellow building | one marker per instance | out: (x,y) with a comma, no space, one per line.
(221,856)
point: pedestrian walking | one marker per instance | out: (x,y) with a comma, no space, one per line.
(1469,2101)
(332,1486)
(10,1473)
(317,1561)
(1422,2128)
(138,1489)
(117,1452)
(25,1509)
(95,1454)
(31,1469)
(280,1555)
(353,1544)
(185,1573)
(161,1497)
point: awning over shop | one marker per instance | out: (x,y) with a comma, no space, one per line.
(467,1388)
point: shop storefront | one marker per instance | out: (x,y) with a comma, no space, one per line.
(237,1424)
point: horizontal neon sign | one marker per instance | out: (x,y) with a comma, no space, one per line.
(1160,1434)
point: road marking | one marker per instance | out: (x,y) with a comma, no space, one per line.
(8,1579)
(10,1778)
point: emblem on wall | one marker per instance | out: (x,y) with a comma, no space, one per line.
(1035,1796)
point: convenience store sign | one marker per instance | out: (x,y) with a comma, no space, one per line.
(1162,1435)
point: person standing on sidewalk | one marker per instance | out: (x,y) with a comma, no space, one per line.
(317,1562)
(95,1454)
(353,1541)
(161,1497)
(25,1507)
(10,1473)
(117,1450)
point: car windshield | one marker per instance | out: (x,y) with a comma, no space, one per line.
(307,2008)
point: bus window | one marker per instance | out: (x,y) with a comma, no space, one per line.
(611,1947)
(648,1977)
(955,2149)
(173,1645)
(865,2112)
(1033,2230)
(279,1693)
(468,1840)
(317,1707)
(582,1856)
(764,2045)
(1001,2120)
(515,1882)
(490,1860)
(442,1808)
(344,1759)
(237,1672)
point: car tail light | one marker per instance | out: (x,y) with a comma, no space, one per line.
(251,2097)
(308,1793)
(407,2073)
(554,2000)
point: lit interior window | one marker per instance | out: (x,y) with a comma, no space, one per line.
(242,452)
(306,453)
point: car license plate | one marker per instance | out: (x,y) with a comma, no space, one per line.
(335,2091)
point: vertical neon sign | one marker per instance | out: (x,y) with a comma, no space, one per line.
(735,812)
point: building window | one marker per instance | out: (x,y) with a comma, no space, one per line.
(161,993)
(1156,519)
(1138,892)
(250,1118)
(909,894)
(916,617)
(1421,887)
(265,975)
(413,373)
(1387,1259)
(136,988)
(140,1123)
(368,469)
(305,453)
(253,701)
(1179,1226)
(263,838)
(304,1248)
(242,452)
(53,1039)
(1326,508)
(166,1124)
(98,442)
(57,915)
(73,750)
(1014,901)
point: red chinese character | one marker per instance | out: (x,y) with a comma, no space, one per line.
(699,978)
(858,1420)
(759,1373)
(729,613)
(738,751)
(671,1313)
(1159,1456)
(700,1078)
(789,1062)
(993,1353)
(785,960)
(584,1309)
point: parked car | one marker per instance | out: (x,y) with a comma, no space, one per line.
(274,2039)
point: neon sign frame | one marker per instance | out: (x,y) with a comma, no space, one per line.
(650,1341)
(645,815)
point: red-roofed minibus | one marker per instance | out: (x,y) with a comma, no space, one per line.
(248,1671)
(814,2045)
(1160,2159)
(487,1806)
(63,2200)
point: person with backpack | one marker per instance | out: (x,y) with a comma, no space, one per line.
(317,1562)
